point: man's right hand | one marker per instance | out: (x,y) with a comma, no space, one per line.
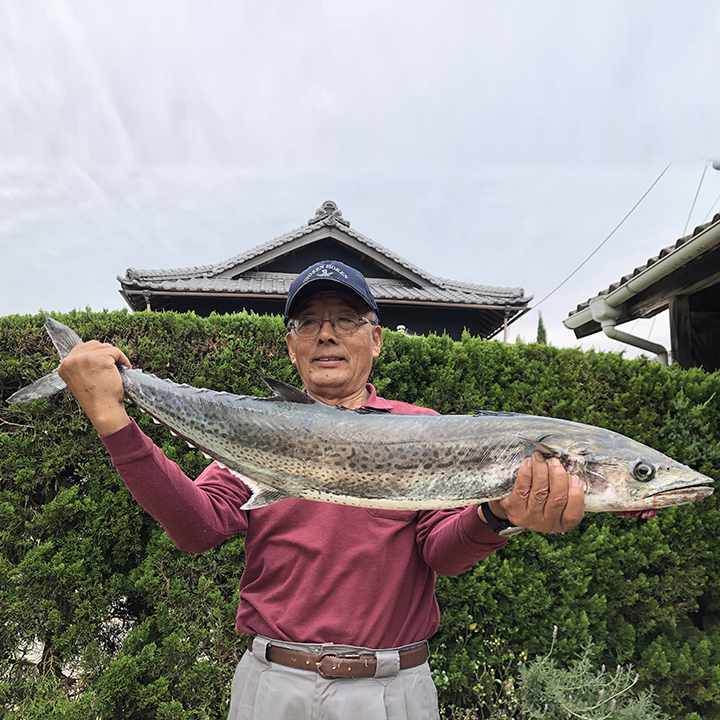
(544,498)
(90,371)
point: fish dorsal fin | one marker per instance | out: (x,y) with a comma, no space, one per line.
(540,446)
(287,393)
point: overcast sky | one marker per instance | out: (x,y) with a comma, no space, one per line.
(496,143)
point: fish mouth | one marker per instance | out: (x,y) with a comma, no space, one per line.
(679,495)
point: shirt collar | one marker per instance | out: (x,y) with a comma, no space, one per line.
(375,402)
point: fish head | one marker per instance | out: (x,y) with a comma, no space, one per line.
(621,474)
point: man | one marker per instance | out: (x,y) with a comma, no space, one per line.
(339,600)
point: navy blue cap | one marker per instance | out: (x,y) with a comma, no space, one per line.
(328,275)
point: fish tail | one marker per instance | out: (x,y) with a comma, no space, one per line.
(64,339)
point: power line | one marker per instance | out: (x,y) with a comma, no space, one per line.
(652,325)
(712,207)
(716,166)
(617,227)
(697,192)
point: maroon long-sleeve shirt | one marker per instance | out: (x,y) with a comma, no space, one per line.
(314,572)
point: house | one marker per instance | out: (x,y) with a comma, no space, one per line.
(258,280)
(684,278)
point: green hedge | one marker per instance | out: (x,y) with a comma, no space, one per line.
(103,617)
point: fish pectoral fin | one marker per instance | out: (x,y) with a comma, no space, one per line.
(287,393)
(540,446)
(263,498)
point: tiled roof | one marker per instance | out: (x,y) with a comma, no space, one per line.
(279,283)
(210,271)
(663,253)
(418,284)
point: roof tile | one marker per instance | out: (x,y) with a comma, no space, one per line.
(205,278)
(663,253)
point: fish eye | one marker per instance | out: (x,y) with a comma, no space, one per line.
(643,471)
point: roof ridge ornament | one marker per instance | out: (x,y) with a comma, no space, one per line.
(328,214)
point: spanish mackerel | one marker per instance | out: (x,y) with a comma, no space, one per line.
(290,445)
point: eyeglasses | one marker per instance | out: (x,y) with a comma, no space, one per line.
(309,326)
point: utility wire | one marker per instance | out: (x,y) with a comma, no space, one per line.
(617,227)
(712,207)
(652,325)
(697,192)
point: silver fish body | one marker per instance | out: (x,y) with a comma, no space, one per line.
(289,445)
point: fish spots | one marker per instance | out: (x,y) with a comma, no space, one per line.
(396,461)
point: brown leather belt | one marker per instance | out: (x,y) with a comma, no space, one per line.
(332,665)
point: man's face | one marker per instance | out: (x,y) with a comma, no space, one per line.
(334,367)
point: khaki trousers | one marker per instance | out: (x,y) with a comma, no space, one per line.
(262,690)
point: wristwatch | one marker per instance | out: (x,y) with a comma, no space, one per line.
(503,528)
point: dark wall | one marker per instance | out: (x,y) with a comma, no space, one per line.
(327,249)
(695,329)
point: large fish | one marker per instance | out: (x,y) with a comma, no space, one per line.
(290,445)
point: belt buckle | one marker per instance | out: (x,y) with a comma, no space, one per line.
(323,673)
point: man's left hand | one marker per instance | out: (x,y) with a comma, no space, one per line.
(543,499)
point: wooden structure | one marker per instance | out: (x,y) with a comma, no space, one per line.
(684,278)
(258,280)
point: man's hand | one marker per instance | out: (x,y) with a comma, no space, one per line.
(543,499)
(90,371)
